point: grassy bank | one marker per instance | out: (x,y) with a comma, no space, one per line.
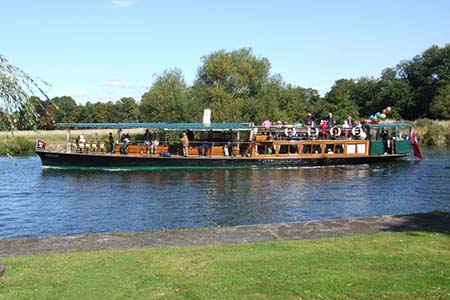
(414,265)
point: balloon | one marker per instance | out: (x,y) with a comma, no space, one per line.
(369,121)
(267,124)
(388,109)
(375,119)
(384,111)
(371,117)
(382,116)
(377,114)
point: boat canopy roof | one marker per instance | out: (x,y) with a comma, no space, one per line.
(163,126)
(388,125)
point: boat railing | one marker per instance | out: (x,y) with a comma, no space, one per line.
(311,133)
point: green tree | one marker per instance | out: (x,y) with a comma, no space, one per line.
(440,106)
(166,100)
(126,110)
(16,87)
(227,81)
(340,101)
(426,74)
(102,112)
(65,105)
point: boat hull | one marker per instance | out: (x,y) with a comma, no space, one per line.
(105,161)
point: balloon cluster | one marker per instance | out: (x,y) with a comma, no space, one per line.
(376,118)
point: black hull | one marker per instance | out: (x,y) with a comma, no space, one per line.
(104,161)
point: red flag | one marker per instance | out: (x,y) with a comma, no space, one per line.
(416,145)
(40,144)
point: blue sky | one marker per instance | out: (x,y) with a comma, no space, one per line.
(103,50)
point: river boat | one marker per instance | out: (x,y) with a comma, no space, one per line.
(230,145)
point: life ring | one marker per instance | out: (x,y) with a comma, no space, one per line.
(356,131)
(335,131)
(290,132)
(311,134)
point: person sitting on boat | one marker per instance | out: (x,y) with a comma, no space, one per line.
(148,140)
(125,140)
(81,143)
(185,144)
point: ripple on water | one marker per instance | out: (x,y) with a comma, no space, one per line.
(37,202)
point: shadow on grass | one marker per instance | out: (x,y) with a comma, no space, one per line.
(435,221)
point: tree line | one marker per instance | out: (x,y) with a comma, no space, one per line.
(238,87)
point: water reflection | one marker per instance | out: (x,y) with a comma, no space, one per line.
(37,202)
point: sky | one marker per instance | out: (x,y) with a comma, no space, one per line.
(103,50)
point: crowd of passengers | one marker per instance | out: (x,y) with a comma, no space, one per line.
(326,128)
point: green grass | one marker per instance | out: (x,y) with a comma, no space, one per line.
(413,265)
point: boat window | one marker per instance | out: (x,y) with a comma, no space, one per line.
(329,148)
(293,149)
(317,148)
(403,133)
(307,148)
(284,149)
(339,148)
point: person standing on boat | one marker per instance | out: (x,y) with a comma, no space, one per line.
(148,140)
(233,143)
(330,120)
(309,121)
(112,144)
(185,144)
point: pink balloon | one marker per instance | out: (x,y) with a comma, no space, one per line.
(266,124)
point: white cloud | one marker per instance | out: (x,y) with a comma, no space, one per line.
(123,3)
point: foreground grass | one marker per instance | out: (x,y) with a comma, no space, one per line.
(384,266)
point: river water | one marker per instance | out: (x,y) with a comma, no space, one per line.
(43,202)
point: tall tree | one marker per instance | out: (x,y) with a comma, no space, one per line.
(227,80)
(426,74)
(16,87)
(166,100)
(65,105)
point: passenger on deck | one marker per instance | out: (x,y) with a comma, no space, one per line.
(309,121)
(330,120)
(323,128)
(185,144)
(125,140)
(148,140)
(233,143)
(112,144)
(387,142)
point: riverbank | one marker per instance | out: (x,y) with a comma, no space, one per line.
(389,257)
(434,221)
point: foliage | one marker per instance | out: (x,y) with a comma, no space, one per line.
(238,87)
(403,265)
(16,87)
(434,137)
(166,100)
(16,146)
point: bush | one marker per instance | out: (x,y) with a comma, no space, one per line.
(16,146)
(435,136)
